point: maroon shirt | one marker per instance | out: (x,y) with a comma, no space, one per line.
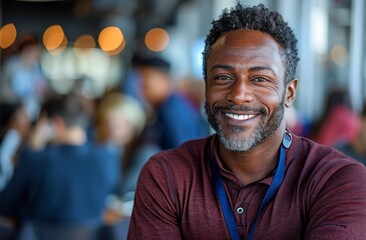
(323,196)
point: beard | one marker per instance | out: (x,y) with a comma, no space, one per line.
(238,144)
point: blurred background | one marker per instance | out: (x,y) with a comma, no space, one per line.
(136,68)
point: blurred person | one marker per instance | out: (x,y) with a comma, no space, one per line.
(193,89)
(23,78)
(339,122)
(357,147)
(120,121)
(175,119)
(60,179)
(14,128)
(253,179)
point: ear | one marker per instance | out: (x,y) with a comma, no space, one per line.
(290,92)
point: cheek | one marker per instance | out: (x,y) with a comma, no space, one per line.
(215,94)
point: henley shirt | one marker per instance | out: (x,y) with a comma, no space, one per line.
(322,196)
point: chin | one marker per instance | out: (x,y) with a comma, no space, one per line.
(238,141)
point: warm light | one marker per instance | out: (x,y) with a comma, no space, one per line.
(84,43)
(111,39)
(339,55)
(8,34)
(157,39)
(54,38)
(117,50)
(60,48)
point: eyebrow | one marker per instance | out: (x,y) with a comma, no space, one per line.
(252,69)
(223,66)
(260,68)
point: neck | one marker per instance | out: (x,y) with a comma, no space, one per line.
(255,164)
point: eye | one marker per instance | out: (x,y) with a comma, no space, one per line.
(260,79)
(223,78)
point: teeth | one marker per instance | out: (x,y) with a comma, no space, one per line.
(239,117)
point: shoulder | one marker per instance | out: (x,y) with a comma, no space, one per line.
(30,156)
(178,103)
(98,151)
(321,155)
(320,164)
(331,189)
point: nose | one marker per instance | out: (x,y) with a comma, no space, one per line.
(240,92)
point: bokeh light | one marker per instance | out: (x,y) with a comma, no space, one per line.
(117,50)
(8,34)
(111,40)
(157,39)
(54,39)
(84,43)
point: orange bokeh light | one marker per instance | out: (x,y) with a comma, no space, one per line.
(117,50)
(8,34)
(157,39)
(54,38)
(83,44)
(84,41)
(111,39)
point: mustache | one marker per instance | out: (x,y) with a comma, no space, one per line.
(243,108)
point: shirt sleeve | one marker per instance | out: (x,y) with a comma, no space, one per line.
(155,213)
(339,208)
(14,193)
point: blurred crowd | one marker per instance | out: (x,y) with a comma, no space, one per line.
(339,126)
(72,160)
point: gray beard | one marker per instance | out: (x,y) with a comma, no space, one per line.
(264,129)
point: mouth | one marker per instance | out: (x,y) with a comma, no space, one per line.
(240,117)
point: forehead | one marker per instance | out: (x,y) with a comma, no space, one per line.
(246,45)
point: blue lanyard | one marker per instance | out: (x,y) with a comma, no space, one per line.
(270,193)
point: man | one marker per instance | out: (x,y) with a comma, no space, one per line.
(62,179)
(175,118)
(253,179)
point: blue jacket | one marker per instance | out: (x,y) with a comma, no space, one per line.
(66,184)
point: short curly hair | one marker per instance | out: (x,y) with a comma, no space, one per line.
(255,18)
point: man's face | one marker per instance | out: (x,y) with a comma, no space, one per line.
(245,90)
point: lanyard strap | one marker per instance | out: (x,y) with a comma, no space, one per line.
(270,193)
(224,202)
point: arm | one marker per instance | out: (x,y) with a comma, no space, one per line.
(14,193)
(41,134)
(339,209)
(155,213)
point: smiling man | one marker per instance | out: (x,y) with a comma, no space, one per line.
(253,179)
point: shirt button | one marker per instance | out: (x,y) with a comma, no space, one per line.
(240,210)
